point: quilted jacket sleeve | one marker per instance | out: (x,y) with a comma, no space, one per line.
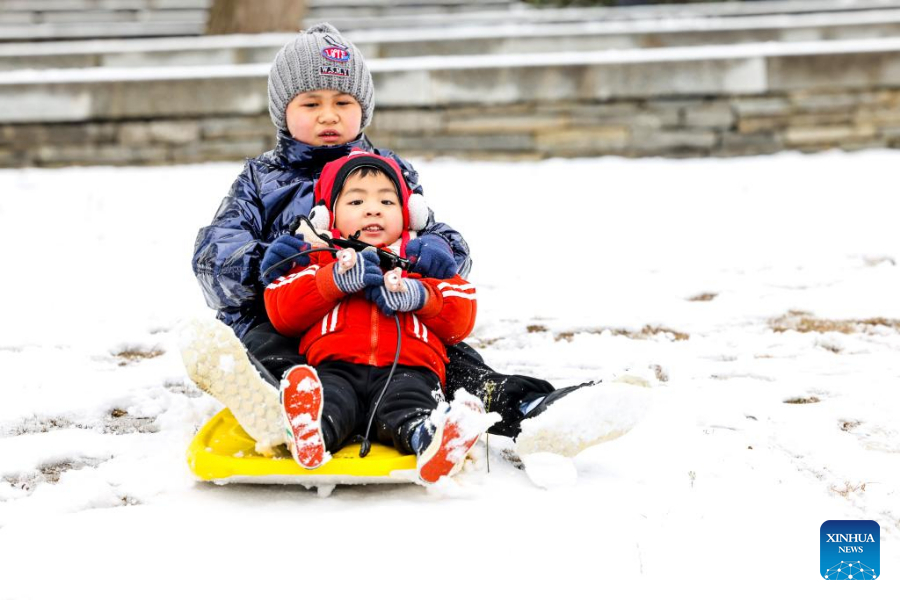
(228,251)
(451,308)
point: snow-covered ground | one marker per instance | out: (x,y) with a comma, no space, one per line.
(759,296)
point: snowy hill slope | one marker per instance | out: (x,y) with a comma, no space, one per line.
(759,297)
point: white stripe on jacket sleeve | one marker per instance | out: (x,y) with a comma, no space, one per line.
(455,294)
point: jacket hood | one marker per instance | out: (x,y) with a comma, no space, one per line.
(414,210)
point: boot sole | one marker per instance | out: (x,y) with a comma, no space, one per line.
(301,396)
(217,362)
(435,461)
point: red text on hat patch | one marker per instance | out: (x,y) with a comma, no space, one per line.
(336,53)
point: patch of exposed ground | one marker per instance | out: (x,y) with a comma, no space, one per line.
(648,331)
(807,400)
(848,489)
(480,344)
(50,473)
(805,322)
(116,422)
(513,458)
(32,425)
(704,297)
(185,389)
(132,355)
(660,373)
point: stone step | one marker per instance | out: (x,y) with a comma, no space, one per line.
(401,4)
(75,95)
(105,16)
(356,9)
(152,52)
(73,5)
(61,31)
(512,39)
(714,101)
(523,13)
(85,19)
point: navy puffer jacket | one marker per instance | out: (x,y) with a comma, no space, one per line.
(272,189)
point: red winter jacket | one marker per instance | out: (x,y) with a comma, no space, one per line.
(336,326)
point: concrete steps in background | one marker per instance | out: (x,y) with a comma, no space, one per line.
(471,40)
(705,101)
(84,19)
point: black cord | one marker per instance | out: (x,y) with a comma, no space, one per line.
(292,229)
(293,256)
(365,444)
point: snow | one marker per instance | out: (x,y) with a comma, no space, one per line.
(467,413)
(308,385)
(549,470)
(751,433)
(589,416)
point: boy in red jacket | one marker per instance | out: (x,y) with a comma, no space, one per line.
(349,313)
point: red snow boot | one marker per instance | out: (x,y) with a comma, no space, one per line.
(301,402)
(456,429)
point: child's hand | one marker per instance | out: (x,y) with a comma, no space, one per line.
(432,257)
(390,302)
(346,260)
(278,252)
(364,273)
(393,280)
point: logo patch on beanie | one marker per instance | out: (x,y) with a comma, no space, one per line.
(334,71)
(336,53)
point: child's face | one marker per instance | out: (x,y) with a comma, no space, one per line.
(369,204)
(324,118)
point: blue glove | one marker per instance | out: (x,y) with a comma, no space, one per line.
(279,250)
(366,272)
(433,257)
(390,302)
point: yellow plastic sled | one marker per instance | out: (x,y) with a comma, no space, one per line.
(222,452)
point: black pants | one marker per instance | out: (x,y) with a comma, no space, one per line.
(274,354)
(349,392)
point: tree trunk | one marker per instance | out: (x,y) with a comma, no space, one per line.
(255,16)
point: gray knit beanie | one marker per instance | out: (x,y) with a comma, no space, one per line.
(319,59)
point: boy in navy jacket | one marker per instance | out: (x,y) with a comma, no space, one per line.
(321,98)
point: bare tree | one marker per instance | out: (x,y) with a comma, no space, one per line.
(255,16)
